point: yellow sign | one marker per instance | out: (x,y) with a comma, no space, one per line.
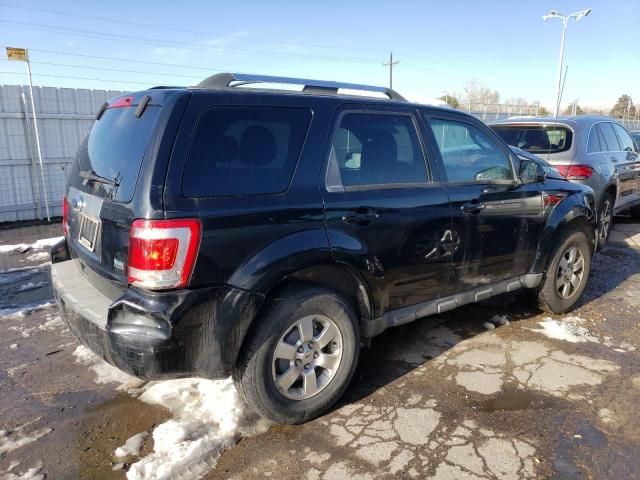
(17,54)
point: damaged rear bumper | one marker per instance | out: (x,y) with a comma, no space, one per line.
(156,335)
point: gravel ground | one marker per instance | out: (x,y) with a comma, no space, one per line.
(487,391)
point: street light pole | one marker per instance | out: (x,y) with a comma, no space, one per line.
(560,61)
(565,22)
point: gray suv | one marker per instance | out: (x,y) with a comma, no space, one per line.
(590,149)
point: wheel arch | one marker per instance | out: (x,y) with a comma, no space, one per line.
(332,276)
(570,214)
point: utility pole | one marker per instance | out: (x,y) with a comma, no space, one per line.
(390,64)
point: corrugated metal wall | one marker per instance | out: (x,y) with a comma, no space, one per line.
(64,116)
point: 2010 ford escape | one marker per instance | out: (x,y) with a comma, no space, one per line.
(227,229)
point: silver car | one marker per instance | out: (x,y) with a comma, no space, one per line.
(590,149)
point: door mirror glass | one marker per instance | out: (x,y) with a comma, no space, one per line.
(531,172)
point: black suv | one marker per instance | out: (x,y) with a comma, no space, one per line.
(226,229)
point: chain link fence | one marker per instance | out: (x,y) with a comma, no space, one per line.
(490,112)
(64,115)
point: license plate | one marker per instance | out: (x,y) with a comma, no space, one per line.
(88,232)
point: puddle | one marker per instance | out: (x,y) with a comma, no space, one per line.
(514,400)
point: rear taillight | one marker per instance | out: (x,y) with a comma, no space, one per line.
(65,216)
(162,252)
(575,172)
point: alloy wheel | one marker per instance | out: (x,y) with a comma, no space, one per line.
(570,272)
(307,357)
(605,220)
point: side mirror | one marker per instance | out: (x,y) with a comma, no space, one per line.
(531,172)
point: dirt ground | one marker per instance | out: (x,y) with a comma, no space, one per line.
(492,391)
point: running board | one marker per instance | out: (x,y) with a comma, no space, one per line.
(405,315)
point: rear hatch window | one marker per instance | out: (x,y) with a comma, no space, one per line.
(536,138)
(114,149)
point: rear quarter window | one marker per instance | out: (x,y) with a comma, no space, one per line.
(244,151)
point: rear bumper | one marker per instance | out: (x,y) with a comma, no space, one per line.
(156,335)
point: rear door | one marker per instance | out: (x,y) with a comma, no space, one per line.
(501,218)
(386,213)
(628,166)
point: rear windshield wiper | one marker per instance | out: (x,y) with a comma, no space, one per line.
(91,176)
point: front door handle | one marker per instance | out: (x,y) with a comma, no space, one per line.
(360,216)
(472,207)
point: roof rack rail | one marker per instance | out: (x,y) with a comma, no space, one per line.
(224,80)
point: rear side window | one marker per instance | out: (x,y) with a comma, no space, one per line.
(536,138)
(625,140)
(244,151)
(376,149)
(595,144)
(609,137)
(115,147)
(469,154)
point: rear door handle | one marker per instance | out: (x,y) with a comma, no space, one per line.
(472,207)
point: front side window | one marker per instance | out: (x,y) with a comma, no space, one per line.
(244,151)
(624,139)
(469,154)
(376,149)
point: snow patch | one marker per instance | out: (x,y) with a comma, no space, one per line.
(567,329)
(13,439)
(104,372)
(52,322)
(13,311)
(132,446)
(25,247)
(32,473)
(208,417)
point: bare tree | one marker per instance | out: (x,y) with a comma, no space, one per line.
(475,92)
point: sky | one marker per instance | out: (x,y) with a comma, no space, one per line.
(505,45)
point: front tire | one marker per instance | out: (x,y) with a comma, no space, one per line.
(300,357)
(567,273)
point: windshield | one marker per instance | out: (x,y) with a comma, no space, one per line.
(115,147)
(536,138)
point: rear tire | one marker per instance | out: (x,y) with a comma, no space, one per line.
(289,378)
(605,219)
(567,273)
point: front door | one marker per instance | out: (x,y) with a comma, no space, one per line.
(501,218)
(385,215)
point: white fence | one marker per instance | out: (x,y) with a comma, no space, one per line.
(64,116)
